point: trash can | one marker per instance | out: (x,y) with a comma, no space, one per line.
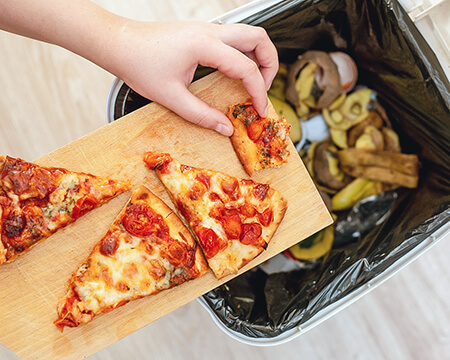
(268,307)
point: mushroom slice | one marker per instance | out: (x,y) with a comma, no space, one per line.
(326,169)
(326,78)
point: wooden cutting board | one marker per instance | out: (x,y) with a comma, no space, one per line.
(31,285)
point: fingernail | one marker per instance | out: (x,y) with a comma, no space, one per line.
(266,111)
(224,130)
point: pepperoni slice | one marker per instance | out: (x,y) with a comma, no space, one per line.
(109,245)
(232,225)
(260,191)
(216,211)
(157,161)
(204,179)
(247,210)
(265,218)
(209,241)
(138,220)
(250,233)
(255,130)
(197,191)
(84,205)
(14,224)
(214,197)
(231,188)
(176,253)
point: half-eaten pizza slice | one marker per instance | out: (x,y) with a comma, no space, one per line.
(258,142)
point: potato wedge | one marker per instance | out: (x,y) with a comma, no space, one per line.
(387,167)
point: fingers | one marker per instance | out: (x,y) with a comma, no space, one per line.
(181,101)
(255,41)
(245,52)
(236,65)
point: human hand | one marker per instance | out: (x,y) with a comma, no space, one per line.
(158,60)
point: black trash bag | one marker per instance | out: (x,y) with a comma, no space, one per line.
(394,60)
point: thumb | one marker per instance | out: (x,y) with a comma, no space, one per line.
(196,111)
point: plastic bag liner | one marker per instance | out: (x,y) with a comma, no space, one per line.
(394,60)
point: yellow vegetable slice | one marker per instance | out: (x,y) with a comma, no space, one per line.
(321,245)
(354,192)
(284,109)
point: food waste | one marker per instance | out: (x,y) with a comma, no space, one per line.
(360,154)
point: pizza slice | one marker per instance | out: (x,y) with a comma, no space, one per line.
(258,142)
(147,249)
(36,201)
(234,219)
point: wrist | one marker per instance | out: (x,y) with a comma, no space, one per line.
(92,33)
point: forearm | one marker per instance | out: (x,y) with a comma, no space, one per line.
(156,59)
(79,26)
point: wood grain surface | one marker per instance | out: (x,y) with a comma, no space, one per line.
(50,97)
(116,150)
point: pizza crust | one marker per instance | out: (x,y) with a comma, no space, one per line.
(279,209)
(245,149)
(2,162)
(2,247)
(233,258)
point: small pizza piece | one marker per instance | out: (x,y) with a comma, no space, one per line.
(36,201)
(234,219)
(258,142)
(147,249)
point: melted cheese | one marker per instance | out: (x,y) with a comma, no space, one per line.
(126,275)
(62,201)
(235,256)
